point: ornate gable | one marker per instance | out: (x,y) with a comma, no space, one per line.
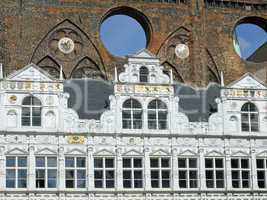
(104,152)
(144,53)
(188,152)
(30,72)
(16,151)
(248,81)
(160,152)
(133,152)
(46,151)
(75,151)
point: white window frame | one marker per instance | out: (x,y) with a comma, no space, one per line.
(30,107)
(17,168)
(132,169)
(214,170)
(46,168)
(264,170)
(75,169)
(160,169)
(239,169)
(132,110)
(104,170)
(156,111)
(188,169)
(249,113)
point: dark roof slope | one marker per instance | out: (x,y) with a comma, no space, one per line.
(90,98)
(197,104)
(260,55)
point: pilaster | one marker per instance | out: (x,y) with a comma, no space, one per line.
(61,168)
(90,168)
(31,168)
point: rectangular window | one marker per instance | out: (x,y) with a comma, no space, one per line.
(132,172)
(240,172)
(46,172)
(214,171)
(104,172)
(16,172)
(188,172)
(75,172)
(160,172)
(261,172)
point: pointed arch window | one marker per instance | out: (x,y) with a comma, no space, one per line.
(249,118)
(143,74)
(31,111)
(132,114)
(157,115)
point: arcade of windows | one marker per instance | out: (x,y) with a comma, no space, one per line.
(46,172)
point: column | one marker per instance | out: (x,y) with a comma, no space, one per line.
(2,168)
(119,177)
(147,176)
(90,169)
(202,176)
(61,168)
(254,184)
(228,174)
(175,178)
(31,168)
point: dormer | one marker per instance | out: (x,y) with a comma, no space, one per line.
(144,67)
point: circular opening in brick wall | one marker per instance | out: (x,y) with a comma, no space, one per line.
(125,31)
(250,39)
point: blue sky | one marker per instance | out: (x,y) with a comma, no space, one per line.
(123,35)
(250,37)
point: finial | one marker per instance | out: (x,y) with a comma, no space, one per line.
(1,71)
(116,75)
(171,77)
(61,73)
(222,79)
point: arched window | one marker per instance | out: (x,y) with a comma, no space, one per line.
(249,118)
(31,111)
(132,114)
(143,75)
(157,115)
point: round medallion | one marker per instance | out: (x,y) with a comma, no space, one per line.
(66,45)
(182,51)
(13,99)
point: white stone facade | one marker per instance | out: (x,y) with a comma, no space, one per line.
(62,134)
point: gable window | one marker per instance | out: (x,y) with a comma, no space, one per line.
(160,172)
(75,172)
(132,114)
(46,172)
(214,172)
(249,118)
(188,172)
(16,172)
(143,74)
(157,115)
(240,172)
(132,172)
(104,172)
(31,111)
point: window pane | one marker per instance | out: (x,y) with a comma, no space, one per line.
(109,162)
(22,173)
(219,163)
(52,183)
(81,174)
(69,174)
(154,174)
(98,162)
(165,162)
(52,174)
(193,163)
(69,184)
(98,174)
(81,184)
(127,174)
(234,163)
(208,163)
(22,183)
(244,163)
(126,162)
(138,175)
(182,163)
(10,174)
(40,174)
(260,163)
(40,161)
(110,174)
(154,162)
(110,184)
(80,162)
(69,162)
(10,183)
(10,161)
(165,174)
(137,162)
(209,174)
(36,121)
(219,174)
(51,161)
